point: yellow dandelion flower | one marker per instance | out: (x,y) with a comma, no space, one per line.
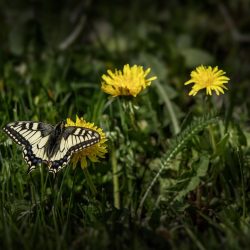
(93,152)
(208,78)
(130,81)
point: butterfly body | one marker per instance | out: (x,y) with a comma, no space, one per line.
(54,146)
(54,139)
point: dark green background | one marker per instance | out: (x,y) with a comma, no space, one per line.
(52,57)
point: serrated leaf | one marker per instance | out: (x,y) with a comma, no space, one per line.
(191,185)
(203,166)
(236,136)
(200,170)
(221,146)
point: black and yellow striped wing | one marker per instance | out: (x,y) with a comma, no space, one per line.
(32,136)
(72,140)
(51,145)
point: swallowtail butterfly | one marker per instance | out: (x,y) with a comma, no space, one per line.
(52,145)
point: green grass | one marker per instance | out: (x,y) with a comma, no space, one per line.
(177,172)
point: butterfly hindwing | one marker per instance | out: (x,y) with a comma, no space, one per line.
(32,136)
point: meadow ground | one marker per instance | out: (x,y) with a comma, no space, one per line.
(176,172)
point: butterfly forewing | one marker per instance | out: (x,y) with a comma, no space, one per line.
(54,146)
(78,138)
(24,131)
(32,136)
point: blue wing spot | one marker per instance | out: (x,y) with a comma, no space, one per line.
(55,165)
(34,161)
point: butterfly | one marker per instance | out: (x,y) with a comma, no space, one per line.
(52,145)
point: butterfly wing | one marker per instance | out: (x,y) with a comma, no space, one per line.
(73,139)
(32,136)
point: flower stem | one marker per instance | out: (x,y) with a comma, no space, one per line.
(116,191)
(122,115)
(243,186)
(89,181)
(211,134)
